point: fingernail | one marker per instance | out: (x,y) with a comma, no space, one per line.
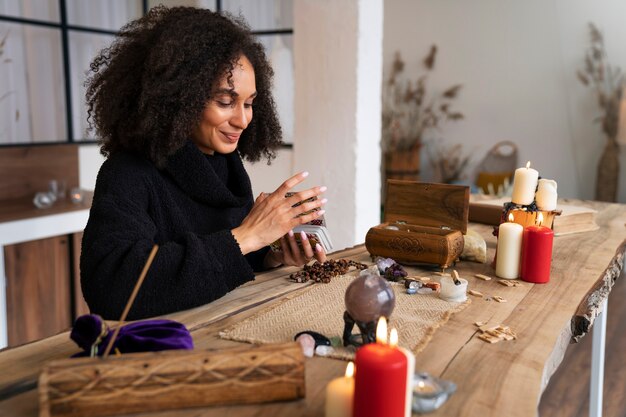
(323,188)
(303,236)
(320,212)
(290,233)
(305,174)
(318,247)
(324,200)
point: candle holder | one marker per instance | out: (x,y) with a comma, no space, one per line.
(430,393)
(77,195)
(367,298)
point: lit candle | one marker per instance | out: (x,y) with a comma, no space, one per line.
(537,252)
(546,195)
(524,185)
(509,249)
(381,378)
(410,369)
(340,394)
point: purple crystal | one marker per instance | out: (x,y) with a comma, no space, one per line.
(368,297)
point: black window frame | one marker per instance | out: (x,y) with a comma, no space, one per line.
(64,27)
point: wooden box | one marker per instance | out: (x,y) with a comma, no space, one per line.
(431,218)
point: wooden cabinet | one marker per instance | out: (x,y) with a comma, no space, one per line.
(38,289)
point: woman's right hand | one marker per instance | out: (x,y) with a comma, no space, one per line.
(272,215)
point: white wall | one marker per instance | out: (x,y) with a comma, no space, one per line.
(517,62)
(338,69)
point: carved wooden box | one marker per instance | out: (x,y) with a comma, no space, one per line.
(431,220)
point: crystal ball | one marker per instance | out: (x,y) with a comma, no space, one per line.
(368,297)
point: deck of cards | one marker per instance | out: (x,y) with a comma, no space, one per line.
(315,230)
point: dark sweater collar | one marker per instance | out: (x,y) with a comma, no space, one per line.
(194,174)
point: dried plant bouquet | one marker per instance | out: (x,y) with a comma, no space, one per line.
(409,111)
(606,80)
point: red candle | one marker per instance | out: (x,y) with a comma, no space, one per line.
(537,253)
(380,382)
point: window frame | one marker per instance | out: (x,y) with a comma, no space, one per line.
(64,29)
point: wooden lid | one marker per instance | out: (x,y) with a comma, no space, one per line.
(426,204)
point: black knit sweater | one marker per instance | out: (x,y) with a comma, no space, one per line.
(188,209)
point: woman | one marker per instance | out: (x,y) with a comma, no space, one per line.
(178,99)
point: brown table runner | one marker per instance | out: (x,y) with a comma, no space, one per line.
(320,308)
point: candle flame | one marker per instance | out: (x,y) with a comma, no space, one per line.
(381,331)
(527,164)
(540,219)
(393,337)
(511,218)
(350,370)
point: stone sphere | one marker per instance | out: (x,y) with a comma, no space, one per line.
(368,297)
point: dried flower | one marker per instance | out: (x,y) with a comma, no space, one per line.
(408,111)
(607,81)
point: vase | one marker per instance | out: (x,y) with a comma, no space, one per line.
(403,164)
(608,172)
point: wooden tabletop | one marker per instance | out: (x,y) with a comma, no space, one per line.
(503,379)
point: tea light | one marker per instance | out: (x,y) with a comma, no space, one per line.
(451,292)
(76,195)
(429,393)
(524,185)
(340,394)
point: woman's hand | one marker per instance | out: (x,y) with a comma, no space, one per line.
(273,216)
(292,255)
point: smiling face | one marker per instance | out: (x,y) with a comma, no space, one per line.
(228,112)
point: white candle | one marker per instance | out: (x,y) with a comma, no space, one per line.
(524,185)
(451,292)
(546,195)
(509,249)
(340,394)
(410,369)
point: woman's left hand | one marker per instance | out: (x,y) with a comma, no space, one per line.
(292,255)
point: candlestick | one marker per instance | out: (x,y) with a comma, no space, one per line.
(410,369)
(381,378)
(509,249)
(340,394)
(450,291)
(524,185)
(537,252)
(546,195)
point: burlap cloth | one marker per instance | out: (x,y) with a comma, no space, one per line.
(321,306)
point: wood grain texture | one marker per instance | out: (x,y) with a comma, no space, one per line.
(415,244)
(171,380)
(504,379)
(79,305)
(26,170)
(426,204)
(38,289)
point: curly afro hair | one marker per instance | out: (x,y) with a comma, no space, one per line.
(146,92)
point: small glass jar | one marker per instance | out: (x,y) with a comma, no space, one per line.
(77,195)
(430,393)
(44,199)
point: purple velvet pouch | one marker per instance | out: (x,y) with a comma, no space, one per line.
(93,335)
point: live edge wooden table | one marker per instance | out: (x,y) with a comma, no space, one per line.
(503,379)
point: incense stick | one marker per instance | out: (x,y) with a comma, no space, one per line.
(130,301)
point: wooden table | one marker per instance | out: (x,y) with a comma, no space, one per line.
(504,379)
